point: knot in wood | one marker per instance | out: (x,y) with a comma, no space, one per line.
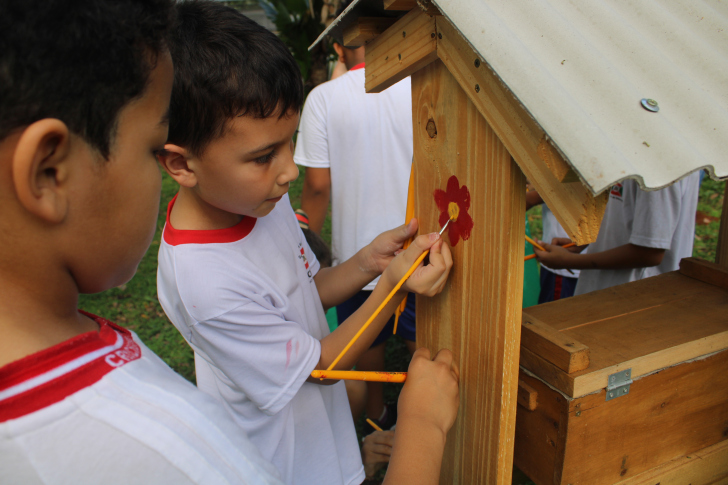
(431,128)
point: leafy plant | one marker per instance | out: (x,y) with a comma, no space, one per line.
(298,23)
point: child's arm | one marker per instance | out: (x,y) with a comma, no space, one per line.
(427,409)
(426,280)
(622,257)
(315,196)
(337,284)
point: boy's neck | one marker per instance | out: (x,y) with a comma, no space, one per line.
(191,212)
(36,315)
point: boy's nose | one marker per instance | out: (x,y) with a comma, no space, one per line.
(290,171)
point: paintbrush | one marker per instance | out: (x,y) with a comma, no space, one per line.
(384,303)
(356,375)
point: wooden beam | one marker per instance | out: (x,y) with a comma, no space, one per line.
(572,203)
(704,271)
(407,46)
(556,347)
(721,252)
(366,29)
(402,5)
(478,315)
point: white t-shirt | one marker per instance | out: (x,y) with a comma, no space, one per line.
(245,300)
(662,219)
(103,408)
(366,141)
(552,229)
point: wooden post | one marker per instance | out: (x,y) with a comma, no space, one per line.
(721,252)
(478,316)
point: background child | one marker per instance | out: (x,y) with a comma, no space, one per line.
(84,97)
(349,139)
(236,275)
(642,234)
(555,284)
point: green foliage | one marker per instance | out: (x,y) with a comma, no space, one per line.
(298,23)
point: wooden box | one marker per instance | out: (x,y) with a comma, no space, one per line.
(667,423)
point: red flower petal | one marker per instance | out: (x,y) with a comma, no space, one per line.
(441,199)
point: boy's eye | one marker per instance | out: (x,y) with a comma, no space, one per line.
(264,159)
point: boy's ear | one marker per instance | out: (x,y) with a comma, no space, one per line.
(176,162)
(339,51)
(40,168)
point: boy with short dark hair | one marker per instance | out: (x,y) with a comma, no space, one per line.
(84,97)
(237,277)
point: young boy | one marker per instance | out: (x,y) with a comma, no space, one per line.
(236,275)
(642,234)
(84,97)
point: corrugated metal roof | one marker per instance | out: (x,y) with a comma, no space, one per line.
(581,69)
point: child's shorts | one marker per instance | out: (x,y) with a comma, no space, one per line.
(405,326)
(555,287)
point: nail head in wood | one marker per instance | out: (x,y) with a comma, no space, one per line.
(477,88)
(477,62)
(439,35)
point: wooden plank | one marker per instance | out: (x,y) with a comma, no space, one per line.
(478,314)
(366,29)
(547,371)
(527,396)
(573,204)
(555,162)
(541,434)
(402,5)
(407,46)
(566,353)
(618,301)
(594,381)
(708,466)
(721,251)
(679,410)
(701,270)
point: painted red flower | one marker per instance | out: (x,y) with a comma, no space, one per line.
(455,202)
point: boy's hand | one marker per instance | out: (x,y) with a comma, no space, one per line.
(430,395)
(376,450)
(556,257)
(381,251)
(430,279)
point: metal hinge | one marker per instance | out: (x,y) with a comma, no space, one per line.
(618,384)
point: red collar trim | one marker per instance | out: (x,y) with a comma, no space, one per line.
(51,375)
(358,66)
(175,237)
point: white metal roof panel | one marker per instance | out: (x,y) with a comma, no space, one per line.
(581,69)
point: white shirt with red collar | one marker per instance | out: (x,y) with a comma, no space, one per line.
(365,139)
(103,408)
(245,300)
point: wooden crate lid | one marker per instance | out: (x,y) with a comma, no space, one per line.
(647,325)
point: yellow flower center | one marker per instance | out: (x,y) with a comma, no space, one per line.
(453,211)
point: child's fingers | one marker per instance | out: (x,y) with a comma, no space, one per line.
(406,231)
(421,353)
(419,245)
(441,260)
(446,357)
